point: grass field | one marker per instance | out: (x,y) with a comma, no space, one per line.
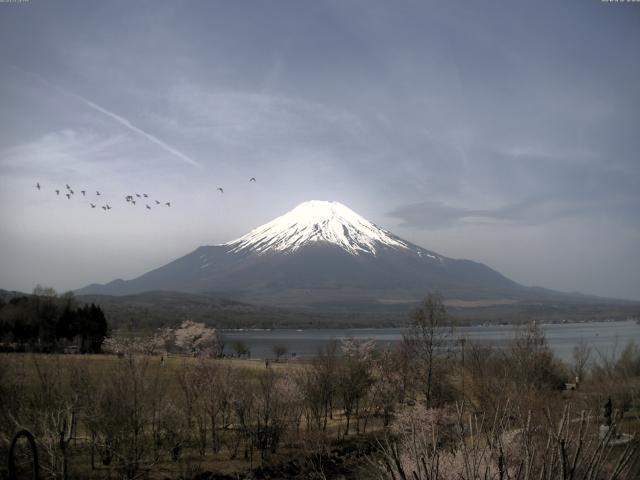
(172,416)
(56,376)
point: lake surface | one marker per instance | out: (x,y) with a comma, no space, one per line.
(604,337)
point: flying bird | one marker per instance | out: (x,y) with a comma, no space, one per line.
(145,195)
(168,204)
(97,193)
(138,195)
(108,207)
(68,187)
(157,202)
(220,189)
(252,179)
(148,207)
(104,208)
(71,192)
(38,185)
(83,192)
(57,192)
(92,205)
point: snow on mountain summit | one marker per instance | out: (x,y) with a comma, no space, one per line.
(317,221)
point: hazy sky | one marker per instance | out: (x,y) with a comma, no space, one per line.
(503,132)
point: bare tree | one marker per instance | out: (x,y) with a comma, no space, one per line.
(531,361)
(242,402)
(214,392)
(354,377)
(54,405)
(489,376)
(318,385)
(191,379)
(271,413)
(581,356)
(124,405)
(428,336)
(387,384)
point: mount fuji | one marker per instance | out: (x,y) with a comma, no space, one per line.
(323,255)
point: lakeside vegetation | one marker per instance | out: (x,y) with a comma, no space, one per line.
(351,412)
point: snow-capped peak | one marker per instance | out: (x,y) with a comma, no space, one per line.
(317,221)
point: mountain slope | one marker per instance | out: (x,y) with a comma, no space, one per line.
(321,254)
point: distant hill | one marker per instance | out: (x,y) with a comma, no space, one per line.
(155,309)
(150,310)
(7,295)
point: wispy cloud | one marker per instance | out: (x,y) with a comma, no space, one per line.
(118,118)
(236,117)
(430,215)
(126,123)
(71,155)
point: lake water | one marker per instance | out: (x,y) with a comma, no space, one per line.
(604,337)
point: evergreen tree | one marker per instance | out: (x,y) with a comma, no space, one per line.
(46,322)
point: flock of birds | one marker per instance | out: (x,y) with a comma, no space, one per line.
(131,199)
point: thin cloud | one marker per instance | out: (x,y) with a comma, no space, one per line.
(431,215)
(118,118)
(126,123)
